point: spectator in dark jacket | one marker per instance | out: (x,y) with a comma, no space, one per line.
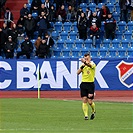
(5,29)
(131,8)
(8,16)
(79,11)
(9,48)
(26,48)
(52,14)
(43,49)
(47,4)
(24,11)
(43,24)
(30,24)
(43,9)
(104,12)
(35,6)
(82,26)
(61,14)
(110,27)
(94,34)
(2,40)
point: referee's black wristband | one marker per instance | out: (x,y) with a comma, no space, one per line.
(85,63)
(82,67)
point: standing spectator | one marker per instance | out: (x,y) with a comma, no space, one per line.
(82,26)
(47,4)
(98,13)
(9,48)
(110,27)
(52,14)
(43,49)
(20,26)
(26,48)
(14,33)
(94,34)
(61,14)
(5,29)
(37,44)
(95,20)
(124,10)
(104,12)
(79,13)
(43,24)
(2,40)
(58,3)
(43,9)
(30,24)
(24,11)
(35,6)
(88,14)
(131,8)
(8,17)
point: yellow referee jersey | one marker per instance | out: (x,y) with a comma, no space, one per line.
(88,73)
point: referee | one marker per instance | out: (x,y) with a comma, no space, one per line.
(87,86)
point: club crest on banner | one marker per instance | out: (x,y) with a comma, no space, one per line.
(125,73)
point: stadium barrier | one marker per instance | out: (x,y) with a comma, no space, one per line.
(60,74)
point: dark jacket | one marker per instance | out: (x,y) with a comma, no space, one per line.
(43,49)
(94,32)
(82,24)
(61,12)
(14,33)
(43,23)
(30,24)
(36,3)
(50,42)
(10,46)
(24,11)
(110,23)
(27,46)
(95,20)
(2,38)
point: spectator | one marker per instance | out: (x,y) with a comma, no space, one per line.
(50,43)
(61,14)
(47,4)
(71,16)
(98,13)
(43,9)
(95,20)
(2,40)
(43,24)
(8,16)
(9,48)
(79,13)
(35,6)
(131,8)
(110,27)
(20,26)
(124,10)
(88,14)
(58,3)
(30,24)
(43,49)
(52,14)
(82,26)
(104,12)
(14,33)
(94,34)
(37,44)
(26,48)
(2,4)
(5,29)
(24,11)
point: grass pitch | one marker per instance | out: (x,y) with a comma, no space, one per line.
(58,116)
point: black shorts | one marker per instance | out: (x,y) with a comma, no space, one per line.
(87,88)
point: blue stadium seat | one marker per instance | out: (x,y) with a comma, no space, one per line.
(125,43)
(112,1)
(83,5)
(122,26)
(119,35)
(60,44)
(130,52)
(116,43)
(100,5)
(28,6)
(66,53)
(75,52)
(73,35)
(74,26)
(106,43)
(69,43)
(84,51)
(128,34)
(55,35)
(117,7)
(33,41)
(92,6)
(112,52)
(88,43)
(67,26)
(64,35)
(58,26)
(121,52)
(79,43)
(34,15)
(130,25)
(116,16)
(94,52)
(56,53)
(131,44)
(111,7)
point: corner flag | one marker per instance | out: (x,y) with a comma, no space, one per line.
(38,79)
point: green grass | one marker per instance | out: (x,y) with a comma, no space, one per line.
(58,116)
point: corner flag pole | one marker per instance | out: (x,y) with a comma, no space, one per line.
(38,80)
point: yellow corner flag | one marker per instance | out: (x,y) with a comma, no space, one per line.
(38,80)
